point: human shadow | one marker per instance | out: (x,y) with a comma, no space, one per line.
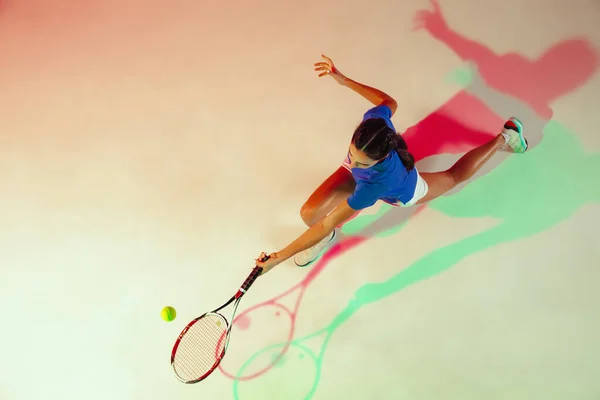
(526,193)
(496,87)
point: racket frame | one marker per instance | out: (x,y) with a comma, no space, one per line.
(234,299)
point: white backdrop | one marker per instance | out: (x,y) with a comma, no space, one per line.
(150,150)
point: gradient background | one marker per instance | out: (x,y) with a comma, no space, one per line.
(150,150)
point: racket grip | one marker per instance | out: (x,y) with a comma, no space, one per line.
(251,278)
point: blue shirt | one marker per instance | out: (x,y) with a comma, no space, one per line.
(388,179)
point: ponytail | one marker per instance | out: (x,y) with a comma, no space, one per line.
(397,143)
(374,137)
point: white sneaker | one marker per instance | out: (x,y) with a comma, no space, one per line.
(309,255)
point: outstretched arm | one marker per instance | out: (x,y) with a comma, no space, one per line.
(375,96)
(310,237)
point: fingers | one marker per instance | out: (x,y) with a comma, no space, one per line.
(323,67)
(261,258)
(435,5)
(264,257)
(327,63)
(325,70)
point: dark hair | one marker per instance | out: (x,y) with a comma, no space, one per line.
(376,139)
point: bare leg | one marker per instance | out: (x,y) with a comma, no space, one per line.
(335,189)
(441,182)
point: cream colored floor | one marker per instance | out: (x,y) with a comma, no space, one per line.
(150,150)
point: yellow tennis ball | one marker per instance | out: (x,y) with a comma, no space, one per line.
(168,313)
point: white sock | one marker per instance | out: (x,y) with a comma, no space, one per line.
(506,137)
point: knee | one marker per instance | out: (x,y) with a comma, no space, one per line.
(308,213)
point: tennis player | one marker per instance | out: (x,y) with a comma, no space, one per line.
(379,166)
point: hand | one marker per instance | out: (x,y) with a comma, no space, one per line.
(432,21)
(329,69)
(267,265)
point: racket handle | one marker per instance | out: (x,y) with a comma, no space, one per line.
(251,278)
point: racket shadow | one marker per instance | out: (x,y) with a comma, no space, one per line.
(262,325)
(287,304)
(296,371)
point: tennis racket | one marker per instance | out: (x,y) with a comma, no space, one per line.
(286,315)
(201,345)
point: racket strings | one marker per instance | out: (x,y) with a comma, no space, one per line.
(201,347)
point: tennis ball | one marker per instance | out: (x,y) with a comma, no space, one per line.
(168,313)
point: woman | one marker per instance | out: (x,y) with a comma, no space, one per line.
(378,166)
